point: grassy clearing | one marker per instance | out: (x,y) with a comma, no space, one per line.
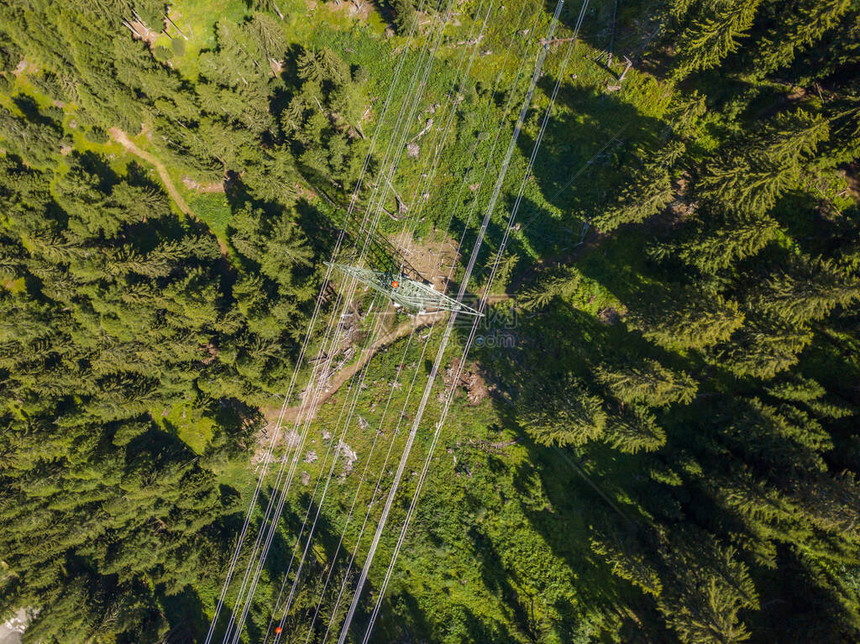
(213,210)
(191,425)
(197,21)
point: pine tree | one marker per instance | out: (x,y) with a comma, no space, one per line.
(780,435)
(405,16)
(741,236)
(563,282)
(10,55)
(37,142)
(323,66)
(647,382)
(646,195)
(801,24)
(714,35)
(808,292)
(690,319)
(634,429)
(710,588)
(270,34)
(627,561)
(566,415)
(796,388)
(275,178)
(831,503)
(286,251)
(751,179)
(763,348)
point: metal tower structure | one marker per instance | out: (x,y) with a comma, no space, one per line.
(405,291)
(379,253)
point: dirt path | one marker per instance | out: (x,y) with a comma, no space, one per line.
(342,376)
(122,138)
(191,184)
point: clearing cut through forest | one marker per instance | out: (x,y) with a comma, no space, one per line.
(427,258)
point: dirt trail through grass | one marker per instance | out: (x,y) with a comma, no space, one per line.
(342,376)
(122,138)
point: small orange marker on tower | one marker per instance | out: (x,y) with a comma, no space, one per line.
(278,630)
(394,283)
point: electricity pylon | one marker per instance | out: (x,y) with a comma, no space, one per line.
(404,291)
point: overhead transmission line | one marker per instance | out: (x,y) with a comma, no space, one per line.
(432,161)
(331,567)
(452,388)
(462,239)
(447,333)
(427,178)
(382,470)
(309,334)
(275,508)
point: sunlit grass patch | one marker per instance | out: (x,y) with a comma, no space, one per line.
(190,424)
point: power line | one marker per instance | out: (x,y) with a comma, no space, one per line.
(406,402)
(449,398)
(428,177)
(447,333)
(302,353)
(282,485)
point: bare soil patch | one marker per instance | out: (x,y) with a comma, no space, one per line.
(358,9)
(282,438)
(191,184)
(433,259)
(24,67)
(142,32)
(470,380)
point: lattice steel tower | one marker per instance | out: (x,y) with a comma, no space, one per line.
(405,291)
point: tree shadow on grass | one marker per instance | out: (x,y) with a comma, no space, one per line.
(574,506)
(585,487)
(497,579)
(588,143)
(408,622)
(186,617)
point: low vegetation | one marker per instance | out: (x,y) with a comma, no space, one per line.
(666,448)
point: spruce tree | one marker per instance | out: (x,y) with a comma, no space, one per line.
(565,415)
(634,429)
(714,35)
(647,382)
(809,291)
(796,27)
(646,195)
(688,319)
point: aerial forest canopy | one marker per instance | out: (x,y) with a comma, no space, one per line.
(661,444)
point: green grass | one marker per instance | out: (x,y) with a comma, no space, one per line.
(14,286)
(214,210)
(197,21)
(190,424)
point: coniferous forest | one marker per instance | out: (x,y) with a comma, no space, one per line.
(656,437)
